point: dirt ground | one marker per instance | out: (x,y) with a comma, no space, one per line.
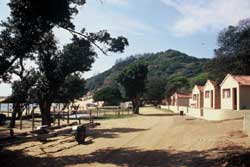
(154,138)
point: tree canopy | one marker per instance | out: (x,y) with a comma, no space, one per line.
(28,35)
(133,79)
(233,53)
(155,90)
(177,84)
(111,95)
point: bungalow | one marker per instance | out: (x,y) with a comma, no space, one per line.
(235,92)
(197,97)
(211,95)
(180,99)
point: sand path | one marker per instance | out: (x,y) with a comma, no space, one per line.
(154,138)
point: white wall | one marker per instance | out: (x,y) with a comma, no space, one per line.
(209,114)
(229,83)
(198,102)
(207,101)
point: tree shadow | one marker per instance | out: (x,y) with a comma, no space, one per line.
(133,157)
(160,115)
(112,133)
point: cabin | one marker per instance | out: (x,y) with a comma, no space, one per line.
(180,99)
(235,92)
(211,95)
(197,97)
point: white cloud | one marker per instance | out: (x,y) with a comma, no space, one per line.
(116,2)
(201,15)
(113,21)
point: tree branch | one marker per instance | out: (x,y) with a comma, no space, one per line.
(86,37)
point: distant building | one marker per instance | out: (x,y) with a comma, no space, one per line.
(180,99)
(197,97)
(211,95)
(235,92)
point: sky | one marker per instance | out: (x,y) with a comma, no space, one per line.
(190,26)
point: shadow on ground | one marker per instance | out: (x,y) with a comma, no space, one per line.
(160,115)
(113,132)
(131,157)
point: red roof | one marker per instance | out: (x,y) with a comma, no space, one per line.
(242,79)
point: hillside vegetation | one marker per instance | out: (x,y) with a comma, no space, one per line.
(164,65)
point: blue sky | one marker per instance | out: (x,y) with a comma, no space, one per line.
(190,26)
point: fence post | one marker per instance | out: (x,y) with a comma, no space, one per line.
(58,118)
(68,116)
(33,120)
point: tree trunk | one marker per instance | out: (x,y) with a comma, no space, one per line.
(16,110)
(45,112)
(136,105)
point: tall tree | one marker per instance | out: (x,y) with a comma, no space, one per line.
(155,90)
(21,93)
(111,95)
(233,53)
(56,65)
(133,79)
(27,34)
(28,22)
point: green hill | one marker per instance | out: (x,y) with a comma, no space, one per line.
(163,64)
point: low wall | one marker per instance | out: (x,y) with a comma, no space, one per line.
(208,114)
(246,124)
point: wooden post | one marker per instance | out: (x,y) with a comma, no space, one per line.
(68,117)
(79,119)
(21,121)
(58,118)
(26,110)
(33,120)
(90,117)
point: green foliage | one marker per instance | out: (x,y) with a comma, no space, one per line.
(110,95)
(155,89)
(59,70)
(28,22)
(27,35)
(177,84)
(21,88)
(72,88)
(200,79)
(233,54)
(133,79)
(163,65)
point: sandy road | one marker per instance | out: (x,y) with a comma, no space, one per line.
(154,138)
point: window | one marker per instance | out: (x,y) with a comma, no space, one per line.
(207,94)
(226,93)
(194,97)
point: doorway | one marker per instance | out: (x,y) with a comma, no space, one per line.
(234,94)
(212,99)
